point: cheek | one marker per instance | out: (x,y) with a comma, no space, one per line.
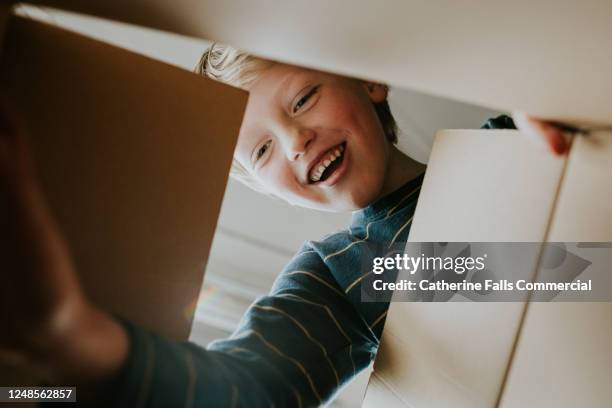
(274,177)
(353,112)
(279,179)
(339,110)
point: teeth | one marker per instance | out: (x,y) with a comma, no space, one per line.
(315,175)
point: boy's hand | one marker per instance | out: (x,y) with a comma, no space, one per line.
(542,132)
(46,323)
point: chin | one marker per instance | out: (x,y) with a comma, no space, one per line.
(335,205)
(363,202)
(365,193)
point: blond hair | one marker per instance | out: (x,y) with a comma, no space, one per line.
(237,68)
(240,69)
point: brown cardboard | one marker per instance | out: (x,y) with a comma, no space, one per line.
(548,58)
(564,353)
(480,185)
(133,156)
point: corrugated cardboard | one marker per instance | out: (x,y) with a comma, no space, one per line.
(549,58)
(564,352)
(479,186)
(496,186)
(133,156)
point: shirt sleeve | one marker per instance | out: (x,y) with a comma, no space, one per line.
(499,122)
(294,347)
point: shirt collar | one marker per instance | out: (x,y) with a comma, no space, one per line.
(383,205)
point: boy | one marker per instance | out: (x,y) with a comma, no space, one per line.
(314,139)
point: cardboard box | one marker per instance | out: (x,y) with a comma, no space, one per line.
(550,59)
(496,186)
(564,352)
(546,58)
(133,156)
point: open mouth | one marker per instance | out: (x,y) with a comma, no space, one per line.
(328,164)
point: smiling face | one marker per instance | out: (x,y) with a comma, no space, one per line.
(314,139)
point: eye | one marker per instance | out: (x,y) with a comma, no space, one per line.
(304,99)
(261,151)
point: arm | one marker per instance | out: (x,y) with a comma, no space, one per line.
(294,347)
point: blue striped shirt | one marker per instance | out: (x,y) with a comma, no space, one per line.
(294,347)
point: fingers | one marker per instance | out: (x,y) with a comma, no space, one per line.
(541,132)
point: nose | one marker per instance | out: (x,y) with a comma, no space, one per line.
(297,143)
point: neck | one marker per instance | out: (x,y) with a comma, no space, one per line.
(400,171)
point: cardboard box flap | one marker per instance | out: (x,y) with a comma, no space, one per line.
(550,59)
(480,185)
(564,353)
(133,156)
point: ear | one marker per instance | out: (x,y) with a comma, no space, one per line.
(377,92)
